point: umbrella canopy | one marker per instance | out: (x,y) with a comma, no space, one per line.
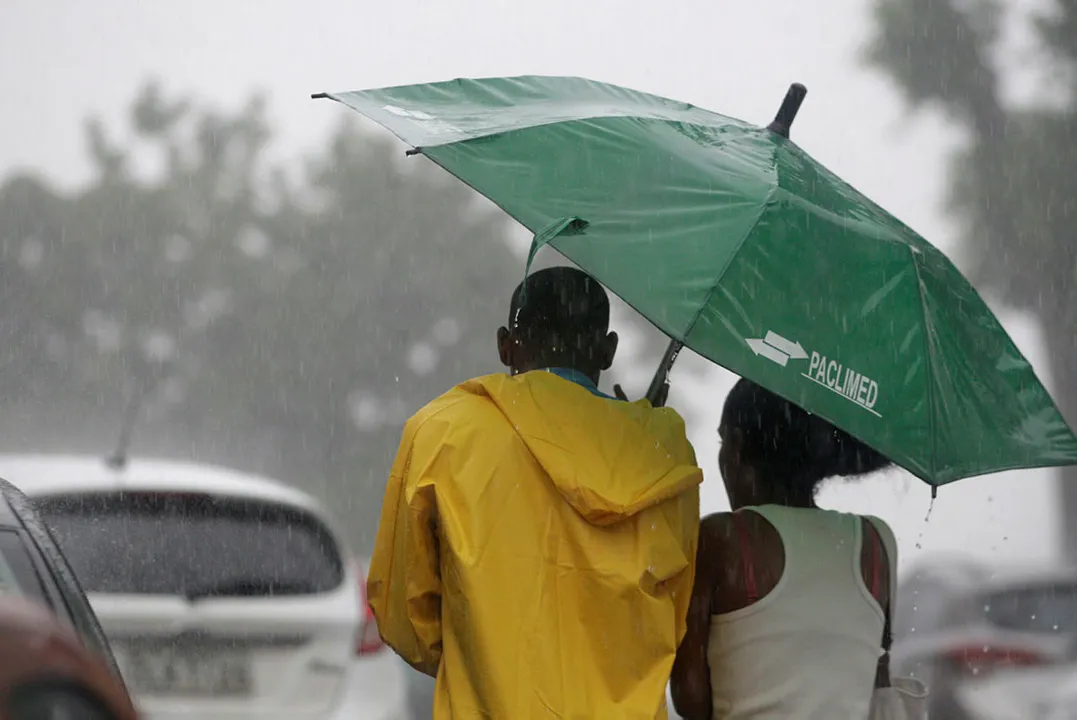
(734,241)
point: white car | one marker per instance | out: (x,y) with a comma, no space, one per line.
(987,641)
(224,595)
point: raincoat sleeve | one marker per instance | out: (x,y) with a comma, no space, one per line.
(404,581)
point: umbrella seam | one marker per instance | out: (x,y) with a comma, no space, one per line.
(732,256)
(337,97)
(930,374)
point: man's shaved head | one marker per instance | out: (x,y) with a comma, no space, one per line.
(560,300)
(558,317)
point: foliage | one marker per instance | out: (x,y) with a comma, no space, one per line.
(310,317)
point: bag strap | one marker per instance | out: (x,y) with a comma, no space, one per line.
(888,637)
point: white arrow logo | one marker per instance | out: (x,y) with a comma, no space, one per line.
(777,349)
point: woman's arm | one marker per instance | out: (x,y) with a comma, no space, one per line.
(690,680)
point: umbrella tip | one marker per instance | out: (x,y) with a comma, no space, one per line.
(319,96)
(787,113)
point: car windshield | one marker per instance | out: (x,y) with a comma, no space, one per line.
(1047,608)
(192,545)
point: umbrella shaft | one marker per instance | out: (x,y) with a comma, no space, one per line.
(661,375)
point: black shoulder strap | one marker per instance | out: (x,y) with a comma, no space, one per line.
(888,638)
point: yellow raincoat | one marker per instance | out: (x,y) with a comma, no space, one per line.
(536,550)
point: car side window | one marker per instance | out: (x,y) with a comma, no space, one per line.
(17,574)
(76,605)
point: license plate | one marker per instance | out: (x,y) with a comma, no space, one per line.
(170,671)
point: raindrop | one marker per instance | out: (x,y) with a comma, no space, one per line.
(422,359)
(365,410)
(253,242)
(158,346)
(447,331)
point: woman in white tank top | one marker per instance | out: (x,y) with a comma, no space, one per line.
(790,601)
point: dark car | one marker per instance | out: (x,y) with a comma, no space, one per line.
(33,568)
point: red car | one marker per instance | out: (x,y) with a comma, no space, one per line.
(46,673)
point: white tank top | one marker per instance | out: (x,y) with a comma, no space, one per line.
(807,650)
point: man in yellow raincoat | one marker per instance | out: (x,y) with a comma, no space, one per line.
(537,542)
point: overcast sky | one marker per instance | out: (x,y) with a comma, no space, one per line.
(60,59)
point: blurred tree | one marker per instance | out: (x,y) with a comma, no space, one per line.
(1014,187)
(284,324)
(310,317)
(377,290)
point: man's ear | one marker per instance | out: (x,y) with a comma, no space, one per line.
(504,346)
(609,350)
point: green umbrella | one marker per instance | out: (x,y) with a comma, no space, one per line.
(735,242)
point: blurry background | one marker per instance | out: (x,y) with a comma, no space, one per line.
(283,287)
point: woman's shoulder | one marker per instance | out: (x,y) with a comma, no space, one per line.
(721,527)
(718,532)
(716,524)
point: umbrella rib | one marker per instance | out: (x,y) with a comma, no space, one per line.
(930,374)
(732,256)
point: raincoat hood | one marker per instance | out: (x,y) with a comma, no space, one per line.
(635,462)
